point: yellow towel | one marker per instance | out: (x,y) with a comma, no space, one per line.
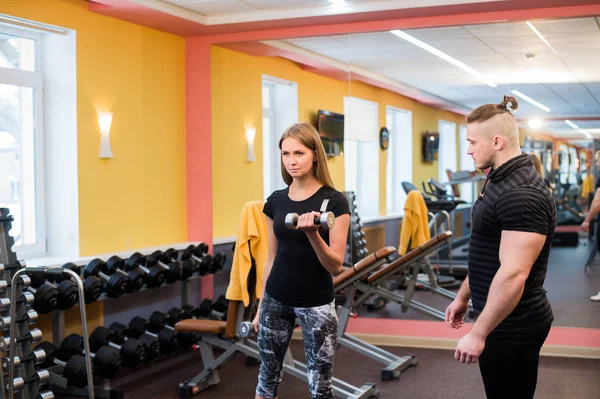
(415,228)
(587,186)
(252,236)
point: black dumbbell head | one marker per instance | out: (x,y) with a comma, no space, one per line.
(158,320)
(137,327)
(153,258)
(45,300)
(68,295)
(169,255)
(205,308)
(151,345)
(206,265)
(119,331)
(189,312)
(114,263)
(75,371)
(72,345)
(155,277)
(95,267)
(116,285)
(134,261)
(135,280)
(100,336)
(107,362)
(92,289)
(221,304)
(133,353)
(168,341)
(188,266)
(173,273)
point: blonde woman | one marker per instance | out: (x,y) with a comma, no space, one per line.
(300,265)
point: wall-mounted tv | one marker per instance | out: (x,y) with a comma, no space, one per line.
(331,129)
(430,143)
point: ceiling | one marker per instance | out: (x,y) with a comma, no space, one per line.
(211,12)
(564,73)
(334,37)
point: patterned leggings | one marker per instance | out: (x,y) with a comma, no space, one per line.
(319,330)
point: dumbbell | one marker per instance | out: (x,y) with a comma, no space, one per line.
(121,335)
(136,277)
(159,321)
(92,285)
(326,220)
(174,270)
(31,316)
(67,293)
(217,311)
(246,329)
(115,285)
(206,262)
(12,266)
(187,266)
(155,276)
(41,377)
(27,298)
(45,355)
(107,361)
(138,326)
(45,297)
(34,336)
(24,281)
(132,351)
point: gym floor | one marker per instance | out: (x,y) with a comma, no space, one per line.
(437,375)
(569,289)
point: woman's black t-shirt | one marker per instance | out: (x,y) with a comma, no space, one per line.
(297,277)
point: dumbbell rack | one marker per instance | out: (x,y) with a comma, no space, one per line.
(356,249)
(27,369)
(104,389)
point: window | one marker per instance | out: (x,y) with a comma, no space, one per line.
(21,137)
(399,158)
(280,110)
(447,151)
(361,154)
(466,163)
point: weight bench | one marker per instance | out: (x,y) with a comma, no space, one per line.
(348,280)
(409,264)
(225,335)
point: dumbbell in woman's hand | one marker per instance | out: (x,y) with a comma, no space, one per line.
(326,220)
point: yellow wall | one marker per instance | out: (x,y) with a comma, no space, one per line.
(137,199)
(236,102)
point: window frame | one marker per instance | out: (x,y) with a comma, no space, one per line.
(34,80)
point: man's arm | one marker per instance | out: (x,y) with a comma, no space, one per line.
(464,294)
(518,252)
(594,210)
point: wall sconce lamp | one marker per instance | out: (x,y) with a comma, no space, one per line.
(250,134)
(105,121)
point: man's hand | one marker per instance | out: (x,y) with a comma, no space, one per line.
(455,313)
(585,226)
(469,348)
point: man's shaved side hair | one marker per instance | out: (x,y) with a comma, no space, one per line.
(500,119)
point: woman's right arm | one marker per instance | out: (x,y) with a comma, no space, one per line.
(272,250)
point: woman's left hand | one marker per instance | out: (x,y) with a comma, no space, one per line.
(306,222)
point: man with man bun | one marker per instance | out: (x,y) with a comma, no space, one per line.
(513,223)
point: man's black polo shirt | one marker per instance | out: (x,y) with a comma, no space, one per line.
(514,197)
